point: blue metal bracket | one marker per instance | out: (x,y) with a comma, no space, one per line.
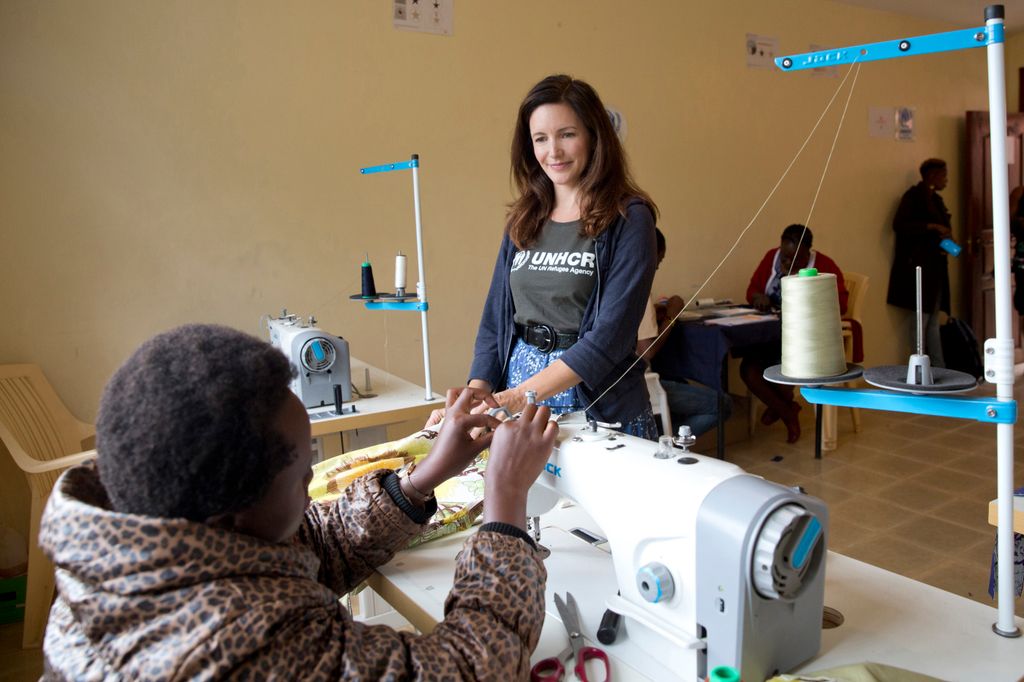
(890,49)
(989,410)
(414,162)
(396,305)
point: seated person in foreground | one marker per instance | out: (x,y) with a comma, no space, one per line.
(689,404)
(190,549)
(765,293)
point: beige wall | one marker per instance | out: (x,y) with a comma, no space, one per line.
(197,161)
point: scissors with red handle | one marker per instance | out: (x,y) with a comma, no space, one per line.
(552,669)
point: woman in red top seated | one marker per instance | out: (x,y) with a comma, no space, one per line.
(765,293)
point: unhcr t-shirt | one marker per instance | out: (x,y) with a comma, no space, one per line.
(553,280)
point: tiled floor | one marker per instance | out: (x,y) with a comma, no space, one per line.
(908,493)
(17,664)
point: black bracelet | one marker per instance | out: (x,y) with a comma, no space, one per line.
(510,530)
(393,486)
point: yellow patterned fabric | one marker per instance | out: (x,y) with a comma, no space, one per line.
(860,672)
(459,500)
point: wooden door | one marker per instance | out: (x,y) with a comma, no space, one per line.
(977,273)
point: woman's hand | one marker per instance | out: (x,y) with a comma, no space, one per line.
(513,399)
(437,415)
(673,306)
(761,302)
(435,418)
(457,444)
(519,450)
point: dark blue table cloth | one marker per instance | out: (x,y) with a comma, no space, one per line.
(697,351)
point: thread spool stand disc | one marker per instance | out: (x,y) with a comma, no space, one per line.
(383,296)
(894,378)
(774,374)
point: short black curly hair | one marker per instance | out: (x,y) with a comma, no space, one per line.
(928,165)
(185,427)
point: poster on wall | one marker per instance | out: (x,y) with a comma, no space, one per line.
(618,120)
(882,122)
(905,124)
(761,51)
(425,16)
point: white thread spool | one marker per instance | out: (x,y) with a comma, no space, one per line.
(812,333)
(400,262)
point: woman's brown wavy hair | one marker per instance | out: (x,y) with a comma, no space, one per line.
(605,185)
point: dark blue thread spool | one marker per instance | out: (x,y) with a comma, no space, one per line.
(369,290)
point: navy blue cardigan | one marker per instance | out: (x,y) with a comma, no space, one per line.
(626,261)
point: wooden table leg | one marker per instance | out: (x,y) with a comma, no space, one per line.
(829,431)
(720,443)
(818,415)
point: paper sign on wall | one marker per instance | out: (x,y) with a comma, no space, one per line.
(618,120)
(905,124)
(882,122)
(426,16)
(761,51)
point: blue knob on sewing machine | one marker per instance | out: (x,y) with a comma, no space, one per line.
(655,583)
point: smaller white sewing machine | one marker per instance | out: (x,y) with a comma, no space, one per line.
(714,566)
(321,360)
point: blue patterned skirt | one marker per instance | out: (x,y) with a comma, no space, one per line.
(527,360)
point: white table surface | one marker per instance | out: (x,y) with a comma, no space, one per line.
(888,618)
(397,400)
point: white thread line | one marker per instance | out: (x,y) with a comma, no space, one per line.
(743,232)
(828,161)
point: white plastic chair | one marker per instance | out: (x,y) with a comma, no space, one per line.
(659,401)
(857,285)
(43,439)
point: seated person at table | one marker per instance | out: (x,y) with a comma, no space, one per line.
(765,293)
(190,548)
(694,405)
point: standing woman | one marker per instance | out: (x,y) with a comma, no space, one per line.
(575,267)
(921,223)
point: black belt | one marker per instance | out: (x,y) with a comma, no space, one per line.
(544,337)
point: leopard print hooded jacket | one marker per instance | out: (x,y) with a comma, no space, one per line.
(146,598)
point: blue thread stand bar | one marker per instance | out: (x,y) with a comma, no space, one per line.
(1002,410)
(419,303)
(388,167)
(988,410)
(891,49)
(396,305)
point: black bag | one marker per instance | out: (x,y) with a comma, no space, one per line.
(960,348)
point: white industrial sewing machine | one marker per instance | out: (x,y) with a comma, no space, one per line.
(321,360)
(714,566)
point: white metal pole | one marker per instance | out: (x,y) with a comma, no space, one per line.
(1003,346)
(421,285)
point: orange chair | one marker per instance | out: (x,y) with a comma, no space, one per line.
(43,439)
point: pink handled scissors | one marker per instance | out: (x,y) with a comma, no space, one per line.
(552,669)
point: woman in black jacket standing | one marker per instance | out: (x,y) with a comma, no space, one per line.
(921,223)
